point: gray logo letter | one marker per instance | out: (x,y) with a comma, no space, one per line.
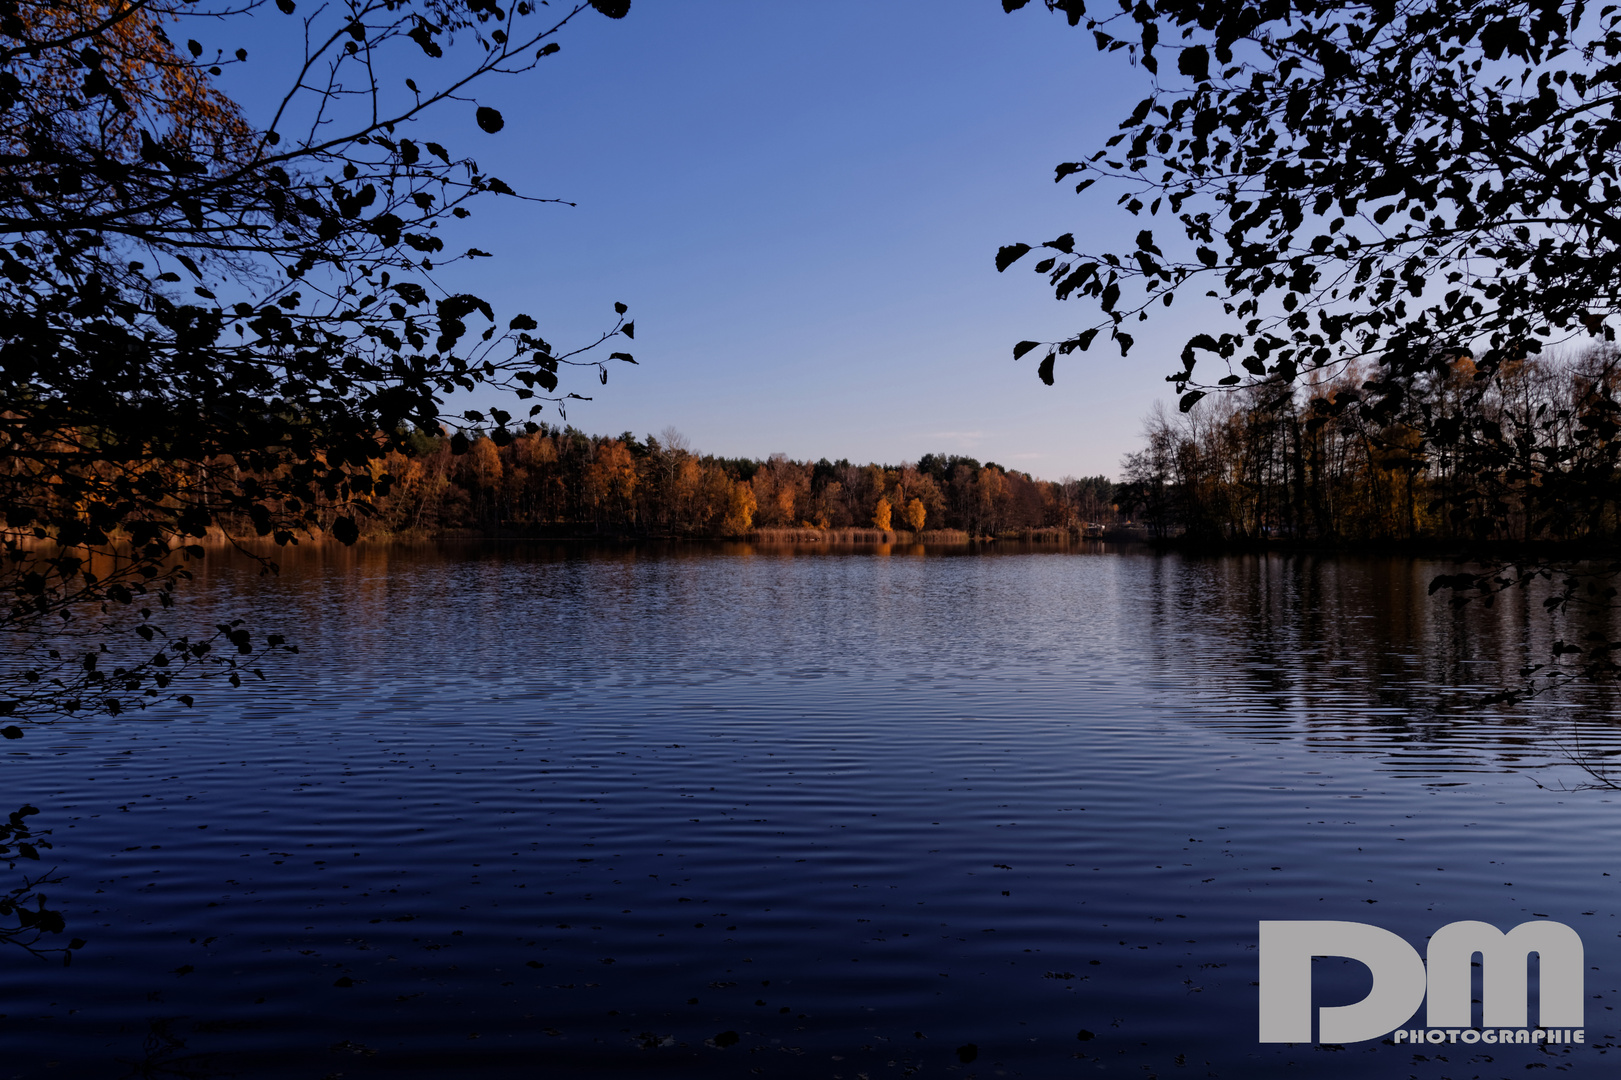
(1504,962)
(1286,950)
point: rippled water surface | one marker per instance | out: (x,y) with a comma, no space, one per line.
(522,810)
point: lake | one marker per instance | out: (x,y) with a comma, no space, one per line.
(523,809)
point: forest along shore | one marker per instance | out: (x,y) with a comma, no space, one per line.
(563,482)
(1523,455)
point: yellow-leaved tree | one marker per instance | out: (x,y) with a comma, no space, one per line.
(916,514)
(740,510)
(880,514)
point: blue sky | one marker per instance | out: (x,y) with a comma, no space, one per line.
(801,204)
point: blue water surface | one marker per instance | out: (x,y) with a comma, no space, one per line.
(537,810)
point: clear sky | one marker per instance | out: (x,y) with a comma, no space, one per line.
(801,203)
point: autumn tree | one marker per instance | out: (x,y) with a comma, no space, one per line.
(212,323)
(740,509)
(779,485)
(611,481)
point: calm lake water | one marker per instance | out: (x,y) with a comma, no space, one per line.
(556,811)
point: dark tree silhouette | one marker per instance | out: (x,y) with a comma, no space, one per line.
(1396,182)
(1401,186)
(207,325)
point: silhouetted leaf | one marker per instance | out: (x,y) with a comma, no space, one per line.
(1194,62)
(421,35)
(1007,256)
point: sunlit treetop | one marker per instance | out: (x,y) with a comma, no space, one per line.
(122,76)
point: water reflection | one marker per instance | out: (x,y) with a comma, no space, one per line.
(1354,655)
(726,810)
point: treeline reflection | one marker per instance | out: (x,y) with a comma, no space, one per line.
(1353,653)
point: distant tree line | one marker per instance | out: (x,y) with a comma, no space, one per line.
(559,480)
(1524,451)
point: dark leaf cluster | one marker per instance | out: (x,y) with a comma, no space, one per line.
(25,918)
(1404,183)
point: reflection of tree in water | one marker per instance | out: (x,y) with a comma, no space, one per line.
(25,920)
(1356,653)
(163,1054)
